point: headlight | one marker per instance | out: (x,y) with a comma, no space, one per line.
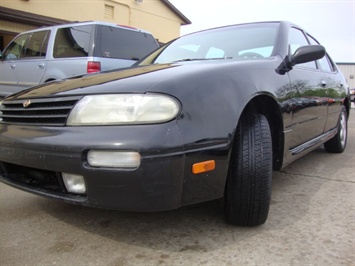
(118,109)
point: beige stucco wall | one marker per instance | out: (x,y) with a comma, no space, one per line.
(14,27)
(151,15)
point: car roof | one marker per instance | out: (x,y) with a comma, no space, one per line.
(75,24)
(281,22)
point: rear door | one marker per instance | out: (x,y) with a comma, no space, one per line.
(336,90)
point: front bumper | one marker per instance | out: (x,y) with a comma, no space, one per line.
(33,158)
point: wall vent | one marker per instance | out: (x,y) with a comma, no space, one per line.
(109,11)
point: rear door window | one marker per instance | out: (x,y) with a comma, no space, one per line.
(37,45)
(73,41)
(123,43)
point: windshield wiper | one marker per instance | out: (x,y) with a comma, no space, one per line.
(201,59)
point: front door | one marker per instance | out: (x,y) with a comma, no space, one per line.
(32,65)
(9,62)
(311,101)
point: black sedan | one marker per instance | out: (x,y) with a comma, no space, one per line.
(209,115)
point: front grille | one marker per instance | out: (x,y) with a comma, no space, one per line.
(46,111)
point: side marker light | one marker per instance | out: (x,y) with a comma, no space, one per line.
(202,167)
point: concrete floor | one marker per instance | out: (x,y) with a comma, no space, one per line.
(311,221)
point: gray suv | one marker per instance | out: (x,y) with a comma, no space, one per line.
(52,53)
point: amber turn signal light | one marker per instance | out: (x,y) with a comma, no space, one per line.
(202,167)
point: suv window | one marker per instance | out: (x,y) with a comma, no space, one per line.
(37,45)
(123,43)
(296,40)
(16,47)
(72,42)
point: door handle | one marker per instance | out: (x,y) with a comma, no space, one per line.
(41,66)
(323,83)
(12,67)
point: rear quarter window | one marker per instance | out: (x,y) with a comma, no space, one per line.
(123,44)
(73,41)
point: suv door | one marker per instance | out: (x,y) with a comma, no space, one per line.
(311,101)
(9,62)
(32,65)
(23,62)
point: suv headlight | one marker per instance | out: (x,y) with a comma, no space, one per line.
(122,109)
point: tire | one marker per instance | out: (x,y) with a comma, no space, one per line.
(338,143)
(248,186)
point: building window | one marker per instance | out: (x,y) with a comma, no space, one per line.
(109,11)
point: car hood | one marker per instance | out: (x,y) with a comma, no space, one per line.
(140,79)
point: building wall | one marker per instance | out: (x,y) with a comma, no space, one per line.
(348,70)
(150,15)
(14,27)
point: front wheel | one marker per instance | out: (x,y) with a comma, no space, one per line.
(248,187)
(338,143)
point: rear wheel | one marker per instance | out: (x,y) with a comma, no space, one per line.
(248,188)
(338,143)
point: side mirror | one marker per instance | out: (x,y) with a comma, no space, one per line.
(308,53)
(303,54)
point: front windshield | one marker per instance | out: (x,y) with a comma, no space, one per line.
(242,41)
